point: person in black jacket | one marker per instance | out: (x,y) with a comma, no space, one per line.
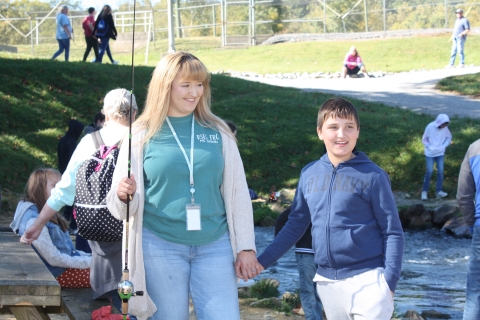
(66,146)
(311,304)
(104,30)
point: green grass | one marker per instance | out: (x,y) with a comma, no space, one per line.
(465,85)
(276,126)
(392,55)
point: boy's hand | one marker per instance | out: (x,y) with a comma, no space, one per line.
(126,188)
(246,266)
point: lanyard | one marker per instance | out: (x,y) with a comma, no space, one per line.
(189,162)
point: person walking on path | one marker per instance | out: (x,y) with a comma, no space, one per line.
(304,254)
(436,139)
(353,63)
(64,33)
(105,30)
(459,36)
(190,212)
(88,25)
(468,199)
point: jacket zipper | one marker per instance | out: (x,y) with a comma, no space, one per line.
(327,229)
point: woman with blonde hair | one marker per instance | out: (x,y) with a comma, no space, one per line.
(190,214)
(353,63)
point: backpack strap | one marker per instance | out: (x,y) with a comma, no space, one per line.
(97,139)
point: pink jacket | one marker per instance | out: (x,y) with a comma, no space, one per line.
(349,59)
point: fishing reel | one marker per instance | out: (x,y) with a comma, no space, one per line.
(126,291)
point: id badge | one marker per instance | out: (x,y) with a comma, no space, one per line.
(193,217)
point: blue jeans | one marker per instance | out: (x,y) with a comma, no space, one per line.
(308,294)
(63,44)
(428,174)
(472,302)
(206,272)
(104,47)
(457,46)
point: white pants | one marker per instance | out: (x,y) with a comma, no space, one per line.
(365,296)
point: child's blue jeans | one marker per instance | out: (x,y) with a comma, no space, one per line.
(428,174)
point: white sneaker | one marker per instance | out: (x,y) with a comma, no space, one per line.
(93,60)
(461,66)
(441,194)
(424,195)
(115,62)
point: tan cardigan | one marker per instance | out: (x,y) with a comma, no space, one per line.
(238,207)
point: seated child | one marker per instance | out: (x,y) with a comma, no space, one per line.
(357,237)
(70,267)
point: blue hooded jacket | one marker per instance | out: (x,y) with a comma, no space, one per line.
(355,222)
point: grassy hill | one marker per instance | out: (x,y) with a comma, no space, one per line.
(392,54)
(277,126)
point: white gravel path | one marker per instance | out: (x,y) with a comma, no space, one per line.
(409,90)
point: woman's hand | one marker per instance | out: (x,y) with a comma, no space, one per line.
(247,266)
(126,187)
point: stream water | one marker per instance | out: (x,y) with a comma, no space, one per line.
(434,271)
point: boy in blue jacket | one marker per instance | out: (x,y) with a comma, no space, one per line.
(356,231)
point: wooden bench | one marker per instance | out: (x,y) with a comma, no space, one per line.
(28,291)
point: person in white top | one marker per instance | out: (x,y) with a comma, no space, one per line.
(436,139)
(106,269)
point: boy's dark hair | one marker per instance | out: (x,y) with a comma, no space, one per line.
(337,108)
(99,117)
(232,126)
(91,9)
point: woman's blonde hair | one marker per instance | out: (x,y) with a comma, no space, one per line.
(159,90)
(35,192)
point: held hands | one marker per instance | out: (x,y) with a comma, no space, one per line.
(126,187)
(247,266)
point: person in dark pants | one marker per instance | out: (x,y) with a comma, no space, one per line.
(311,304)
(105,30)
(88,25)
(66,146)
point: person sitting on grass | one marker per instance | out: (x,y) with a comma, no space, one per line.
(70,267)
(357,237)
(353,64)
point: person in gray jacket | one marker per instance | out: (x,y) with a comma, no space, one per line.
(468,198)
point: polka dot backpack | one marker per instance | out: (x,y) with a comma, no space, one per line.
(94,179)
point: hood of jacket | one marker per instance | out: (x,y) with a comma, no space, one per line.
(75,128)
(22,207)
(441,119)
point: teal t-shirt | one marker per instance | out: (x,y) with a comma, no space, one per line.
(167,183)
